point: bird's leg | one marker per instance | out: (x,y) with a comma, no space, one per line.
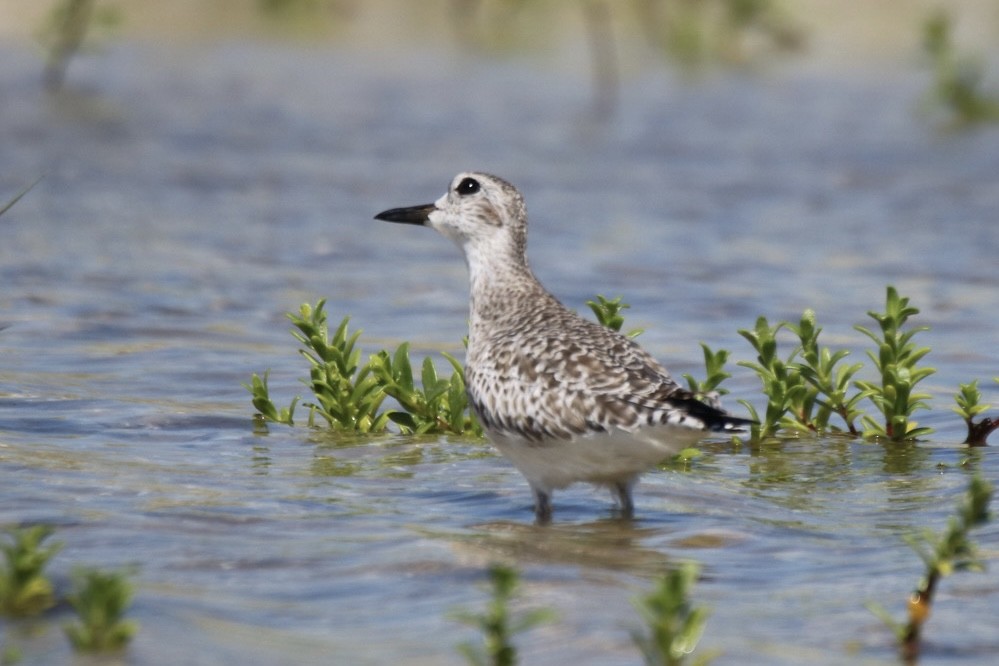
(542,506)
(622,493)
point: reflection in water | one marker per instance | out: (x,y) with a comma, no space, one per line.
(261,461)
(330,466)
(611,545)
(903,458)
(196,194)
(800,472)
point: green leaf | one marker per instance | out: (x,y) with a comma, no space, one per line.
(428,376)
(402,370)
(403,419)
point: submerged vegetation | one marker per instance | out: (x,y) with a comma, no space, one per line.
(811,390)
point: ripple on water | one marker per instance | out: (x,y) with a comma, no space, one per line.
(194,196)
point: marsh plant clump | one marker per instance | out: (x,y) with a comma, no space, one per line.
(811,389)
(348,395)
(806,390)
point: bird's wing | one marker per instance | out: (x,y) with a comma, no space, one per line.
(559,385)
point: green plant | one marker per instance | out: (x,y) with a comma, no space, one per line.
(714,364)
(897,362)
(942,555)
(24,588)
(348,395)
(804,391)
(783,384)
(608,313)
(958,78)
(812,385)
(699,32)
(10,655)
(261,398)
(497,624)
(829,383)
(968,407)
(100,599)
(66,30)
(437,405)
(673,625)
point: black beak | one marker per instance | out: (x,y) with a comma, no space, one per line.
(409,215)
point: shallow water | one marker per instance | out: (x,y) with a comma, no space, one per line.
(192,196)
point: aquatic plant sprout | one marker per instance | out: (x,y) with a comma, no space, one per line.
(24,587)
(942,554)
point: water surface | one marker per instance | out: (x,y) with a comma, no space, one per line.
(194,195)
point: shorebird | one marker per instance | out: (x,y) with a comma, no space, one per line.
(563,398)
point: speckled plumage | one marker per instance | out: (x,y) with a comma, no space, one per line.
(564,398)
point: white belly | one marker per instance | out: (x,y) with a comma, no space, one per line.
(601,458)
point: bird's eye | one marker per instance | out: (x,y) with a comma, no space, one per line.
(468,186)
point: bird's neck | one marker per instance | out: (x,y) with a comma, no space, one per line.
(500,292)
(495,288)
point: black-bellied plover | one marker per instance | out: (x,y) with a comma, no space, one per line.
(564,398)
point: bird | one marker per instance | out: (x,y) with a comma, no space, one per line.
(565,399)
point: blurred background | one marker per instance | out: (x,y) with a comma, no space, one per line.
(207,167)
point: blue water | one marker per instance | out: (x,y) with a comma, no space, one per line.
(194,195)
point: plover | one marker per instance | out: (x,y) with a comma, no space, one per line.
(563,398)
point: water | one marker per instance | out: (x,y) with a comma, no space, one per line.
(194,195)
